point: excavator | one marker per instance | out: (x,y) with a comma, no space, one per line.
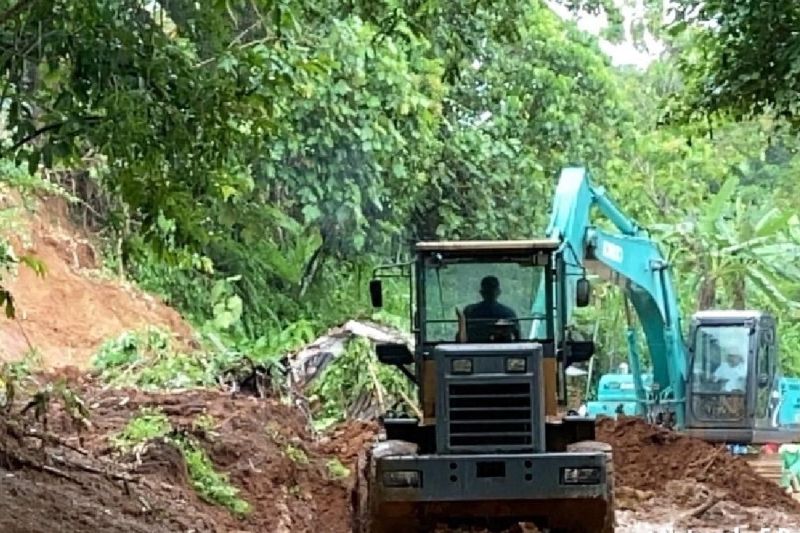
(723,383)
(492,444)
(615,395)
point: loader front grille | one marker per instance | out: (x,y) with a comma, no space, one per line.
(490,416)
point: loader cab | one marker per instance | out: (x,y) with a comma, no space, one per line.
(732,382)
(476,291)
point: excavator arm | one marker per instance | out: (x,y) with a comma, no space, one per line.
(629,259)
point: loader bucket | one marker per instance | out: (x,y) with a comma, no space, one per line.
(371,514)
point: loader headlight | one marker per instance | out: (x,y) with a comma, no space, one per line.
(516,364)
(580,476)
(402,478)
(461,366)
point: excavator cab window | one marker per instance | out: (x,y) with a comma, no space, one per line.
(719,372)
(763,393)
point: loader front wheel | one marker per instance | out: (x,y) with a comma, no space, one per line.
(606,522)
(364,517)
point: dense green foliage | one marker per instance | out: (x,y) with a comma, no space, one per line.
(744,60)
(256,158)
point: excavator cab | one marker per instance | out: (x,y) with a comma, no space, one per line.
(733,381)
(488,448)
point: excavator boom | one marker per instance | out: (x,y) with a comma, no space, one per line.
(688,387)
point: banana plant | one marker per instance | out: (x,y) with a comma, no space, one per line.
(728,254)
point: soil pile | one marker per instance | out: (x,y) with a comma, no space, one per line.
(647,457)
(291,479)
(67,314)
(55,486)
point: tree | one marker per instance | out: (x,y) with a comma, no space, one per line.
(533,95)
(743,61)
(173,119)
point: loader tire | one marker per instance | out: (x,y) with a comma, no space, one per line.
(364,518)
(608,519)
(359,497)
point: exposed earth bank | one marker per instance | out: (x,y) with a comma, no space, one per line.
(67,313)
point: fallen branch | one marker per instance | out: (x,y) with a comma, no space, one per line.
(145,504)
(701,509)
(49,438)
(377,384)
(711,460)
(411,404)
(29,463)
(59,473)
(93,470)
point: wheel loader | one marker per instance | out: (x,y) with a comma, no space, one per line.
(491,445)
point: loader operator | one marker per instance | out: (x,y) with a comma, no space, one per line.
(482,317)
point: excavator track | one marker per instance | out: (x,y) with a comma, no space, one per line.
(767,465)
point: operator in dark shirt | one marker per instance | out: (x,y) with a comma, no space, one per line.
(490,310)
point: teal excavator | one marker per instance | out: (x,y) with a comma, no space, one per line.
(722,383)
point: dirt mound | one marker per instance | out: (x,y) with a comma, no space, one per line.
(646,458)
(694,506)
(291,479)
(72,310)
(346,441)
(295,480)
(55,487)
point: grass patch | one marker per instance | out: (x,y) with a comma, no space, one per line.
(212,486)
(295,454)
(336,470)
(204,422)
(148,359)
(149,424)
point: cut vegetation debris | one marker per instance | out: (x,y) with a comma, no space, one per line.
(334,378)
(199,459)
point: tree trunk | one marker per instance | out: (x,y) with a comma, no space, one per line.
(738,289)
(707,294)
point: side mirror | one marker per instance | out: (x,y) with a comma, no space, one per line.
(583,291)
(376,292)
(579,351)
(763,380)
(394,354)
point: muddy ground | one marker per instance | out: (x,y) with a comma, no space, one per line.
(69,478)
(81,484)
(669,482)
